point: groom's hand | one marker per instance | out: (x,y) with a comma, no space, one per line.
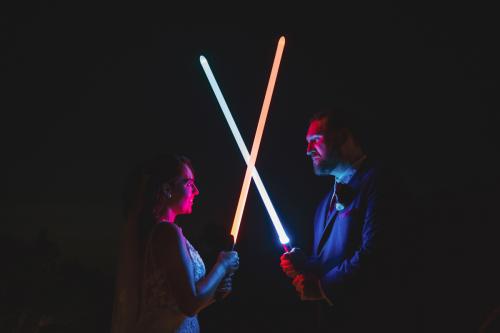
(307,286)
(293,262)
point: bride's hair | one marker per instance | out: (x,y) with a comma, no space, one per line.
(144,198)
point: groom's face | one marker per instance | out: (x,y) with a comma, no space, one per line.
(321,148)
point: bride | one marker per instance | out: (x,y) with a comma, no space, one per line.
(161,282)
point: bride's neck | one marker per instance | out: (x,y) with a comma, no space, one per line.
(168,217)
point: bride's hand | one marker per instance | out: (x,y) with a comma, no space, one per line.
(229,260)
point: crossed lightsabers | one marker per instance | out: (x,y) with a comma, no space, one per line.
(250,159)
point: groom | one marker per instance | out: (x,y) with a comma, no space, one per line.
(350,271)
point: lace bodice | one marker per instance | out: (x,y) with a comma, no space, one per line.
(198,265)
(159,309)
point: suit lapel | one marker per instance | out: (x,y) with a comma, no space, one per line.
(321,220)
(327,230)
(325,221)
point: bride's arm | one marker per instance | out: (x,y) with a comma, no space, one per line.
(171,249)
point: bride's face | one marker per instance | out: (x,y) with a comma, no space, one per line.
(183,192)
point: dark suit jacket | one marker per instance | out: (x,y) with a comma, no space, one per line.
(359,264)
(354,263)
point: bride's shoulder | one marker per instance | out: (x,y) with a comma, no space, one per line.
(167,231)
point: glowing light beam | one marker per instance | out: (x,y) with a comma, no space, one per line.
(257,139)
(251,170)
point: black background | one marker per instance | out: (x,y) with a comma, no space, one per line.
(89,90)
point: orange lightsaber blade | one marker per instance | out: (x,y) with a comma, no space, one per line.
(258,136)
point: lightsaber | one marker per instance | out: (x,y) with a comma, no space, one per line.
(257,139)
(243,149)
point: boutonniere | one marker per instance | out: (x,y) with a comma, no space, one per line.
(344,195)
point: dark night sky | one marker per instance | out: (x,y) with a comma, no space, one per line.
(89,91)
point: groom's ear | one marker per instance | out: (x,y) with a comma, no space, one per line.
(343,135)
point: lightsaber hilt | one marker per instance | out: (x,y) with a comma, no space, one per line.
(287,247)
(228,245)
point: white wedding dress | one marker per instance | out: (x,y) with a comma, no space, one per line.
(159,310)
(157,307)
